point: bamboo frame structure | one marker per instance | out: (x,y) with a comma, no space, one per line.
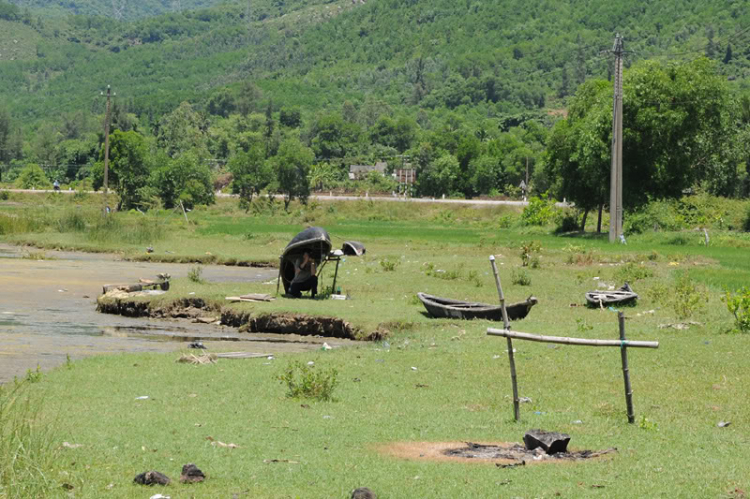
(622,343)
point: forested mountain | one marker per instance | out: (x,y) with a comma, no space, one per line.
(350,79)
(116,9)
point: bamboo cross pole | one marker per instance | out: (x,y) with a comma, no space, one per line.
(571,341)
(511,358)
(626,369)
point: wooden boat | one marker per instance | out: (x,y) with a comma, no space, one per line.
(621,296)
(457,309)
(313,240)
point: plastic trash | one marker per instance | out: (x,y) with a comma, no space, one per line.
(142,397)
(326,346)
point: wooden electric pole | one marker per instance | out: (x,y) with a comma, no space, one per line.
(615,190)
(106,151)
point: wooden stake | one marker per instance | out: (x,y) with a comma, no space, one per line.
(626,369)
(278,279)
(183,211)
(511,359)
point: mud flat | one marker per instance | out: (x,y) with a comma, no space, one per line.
(48,312)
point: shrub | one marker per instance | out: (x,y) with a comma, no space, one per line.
(521,277)
(194,274)
(567,222)
(688,298)
(527,253)
(539,211)
(303,381)
(746,223)
(33,177)
(389,265)
(738,304)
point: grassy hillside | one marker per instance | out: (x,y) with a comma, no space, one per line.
(17,41)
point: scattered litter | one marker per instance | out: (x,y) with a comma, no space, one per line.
(680,325)
(71,446)
(723,424)
(217,443)
(311,363)
(514,351)
(197,344)
(193,359)
(495,357)
(142,397)
(386,345)
(152,478)
(327,417)
(326,346)
(62,290)
(577,421)
(159,496)
(280,461)
(612,309)
(413,368)
(251,297)
(524,400)
(596,278)
(191,293)
(191,474)
(340,297)
(110,486)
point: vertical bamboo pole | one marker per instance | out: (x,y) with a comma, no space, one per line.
(511,359)
(278,279)
(626,369)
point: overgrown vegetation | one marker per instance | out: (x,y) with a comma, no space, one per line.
(308,381)
(738,304)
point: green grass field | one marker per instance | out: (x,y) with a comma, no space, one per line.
(433,381)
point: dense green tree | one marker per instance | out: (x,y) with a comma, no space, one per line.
(440,177)
(182,130)
(251,174)
(184,179)
(290,116)
(129,168)
(292,165)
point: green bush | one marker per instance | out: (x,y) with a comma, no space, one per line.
(33,177)
(738,304)
(688,298)
(521,277)
(194,274)
(539,211)
(746,223)
(304,381)
(567,221)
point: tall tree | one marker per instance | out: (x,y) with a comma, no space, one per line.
(292,164)
(129,168)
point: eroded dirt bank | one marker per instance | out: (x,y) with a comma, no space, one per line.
(199,310)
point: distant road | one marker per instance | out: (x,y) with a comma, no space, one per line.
(318,197)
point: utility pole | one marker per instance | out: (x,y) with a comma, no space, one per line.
(615,186)
(106,152)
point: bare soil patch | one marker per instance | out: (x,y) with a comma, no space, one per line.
(503,454)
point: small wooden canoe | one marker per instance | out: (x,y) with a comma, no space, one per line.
(621,296)
(457,309)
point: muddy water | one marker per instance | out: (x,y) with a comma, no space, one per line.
(48,312)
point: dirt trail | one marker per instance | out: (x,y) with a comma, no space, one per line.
(48,312)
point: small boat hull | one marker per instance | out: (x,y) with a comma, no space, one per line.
(622,296)
(456,309)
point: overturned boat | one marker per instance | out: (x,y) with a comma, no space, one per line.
(314,241)
(457,309)
(622,296)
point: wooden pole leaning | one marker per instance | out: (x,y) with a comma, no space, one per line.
(626,369)
(511,358)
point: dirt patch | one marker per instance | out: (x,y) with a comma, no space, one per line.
(197,309)
(504,454)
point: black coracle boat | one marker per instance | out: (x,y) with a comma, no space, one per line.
(621,296)
(313,240)
(458,309)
